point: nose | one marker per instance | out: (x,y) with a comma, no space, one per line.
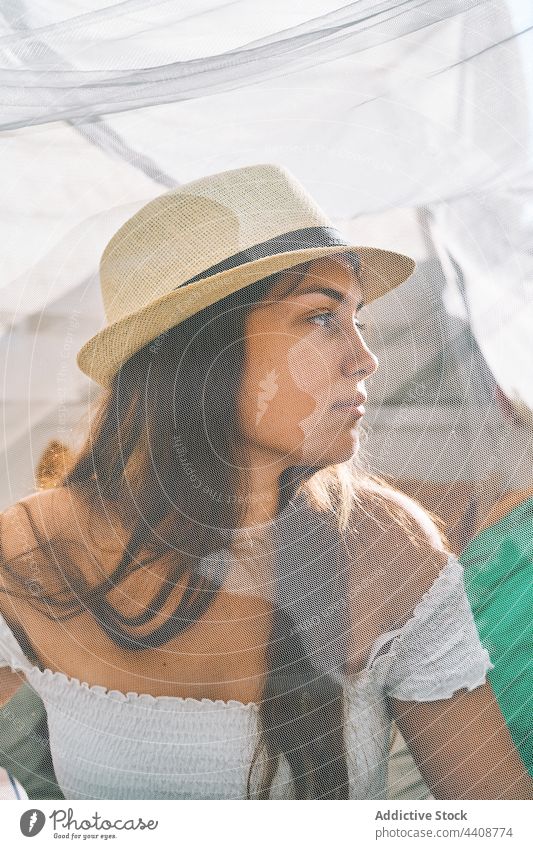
(360,361)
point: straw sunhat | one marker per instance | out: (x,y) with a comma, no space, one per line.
(197,243)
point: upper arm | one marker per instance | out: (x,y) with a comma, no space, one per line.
(39,536)
(23,526)
(15,539)
(462,746)
(20,572)
(31,567)
(10,682)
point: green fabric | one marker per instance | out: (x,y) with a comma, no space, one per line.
(24,746)
(498,566)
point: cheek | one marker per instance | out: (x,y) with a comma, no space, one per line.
(285,388)
(310,369)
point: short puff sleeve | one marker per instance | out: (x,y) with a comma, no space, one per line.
(438,651)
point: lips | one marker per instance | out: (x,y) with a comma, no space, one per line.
(352,412)
(354,403)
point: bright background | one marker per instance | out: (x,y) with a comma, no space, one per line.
(410,122)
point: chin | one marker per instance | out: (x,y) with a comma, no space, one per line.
(346,442)
(344,447)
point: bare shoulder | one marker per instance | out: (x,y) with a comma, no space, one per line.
(23,526)
(51,550)
(26,527)
(395,537)
(36,517)
(60,511)
(389,515)
(51,527)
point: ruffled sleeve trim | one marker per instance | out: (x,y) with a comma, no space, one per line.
(438,650)
(448,575)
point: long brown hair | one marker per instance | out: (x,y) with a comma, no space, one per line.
(165,437)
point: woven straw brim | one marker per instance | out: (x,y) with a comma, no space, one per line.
(103,354)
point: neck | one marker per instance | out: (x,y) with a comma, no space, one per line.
(261,507)
(260,486)
(263,492)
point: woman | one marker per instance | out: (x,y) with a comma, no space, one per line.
(217,602)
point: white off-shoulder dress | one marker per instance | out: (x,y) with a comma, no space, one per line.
(106,744)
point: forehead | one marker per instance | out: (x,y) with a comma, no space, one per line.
(336,274)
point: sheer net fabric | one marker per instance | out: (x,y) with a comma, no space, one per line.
(181,720)
(167,54)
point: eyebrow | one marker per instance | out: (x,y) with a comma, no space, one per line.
(330,293)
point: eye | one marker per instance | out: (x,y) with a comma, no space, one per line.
(326,316)
(329,318)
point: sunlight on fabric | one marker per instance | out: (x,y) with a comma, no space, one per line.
(411,125)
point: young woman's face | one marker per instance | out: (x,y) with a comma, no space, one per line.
(304,354)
